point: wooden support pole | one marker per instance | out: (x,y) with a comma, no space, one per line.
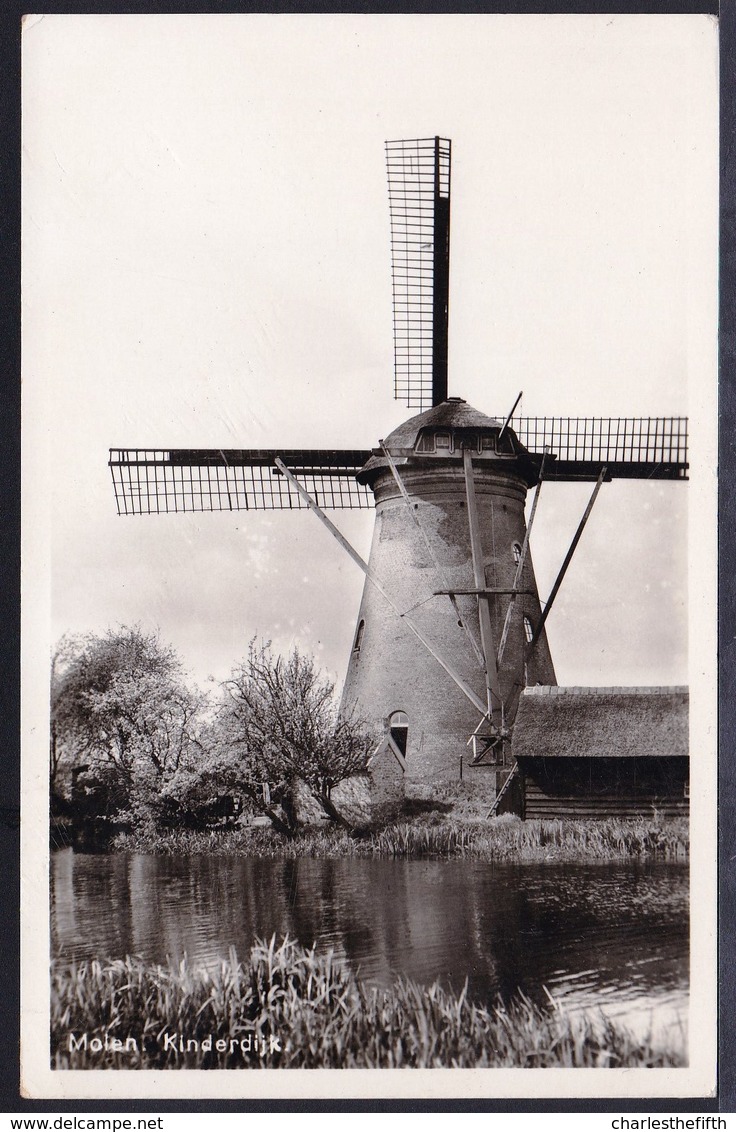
(508,418)
(522,560)
(451,593)
(520,680)
(479,577)
(314,506)
(568,559)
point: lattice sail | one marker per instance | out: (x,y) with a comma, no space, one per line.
(630,447)
(156,481)
(419,200)
(151,481)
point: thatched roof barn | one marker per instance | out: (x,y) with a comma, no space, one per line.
(602,751)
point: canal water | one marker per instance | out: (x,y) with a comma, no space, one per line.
(610,937)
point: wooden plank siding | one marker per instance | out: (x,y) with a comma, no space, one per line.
(537,804)
(604,787)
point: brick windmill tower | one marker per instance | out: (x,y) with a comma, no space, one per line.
(450,628)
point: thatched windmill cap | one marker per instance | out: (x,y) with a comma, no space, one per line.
(459,418)
(453,413)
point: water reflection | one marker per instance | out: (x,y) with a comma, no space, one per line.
(600,935)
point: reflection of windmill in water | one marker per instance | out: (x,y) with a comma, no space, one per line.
(450,628)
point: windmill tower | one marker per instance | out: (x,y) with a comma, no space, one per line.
(450,628)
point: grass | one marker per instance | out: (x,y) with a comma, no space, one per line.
(438,835)
(289,1007)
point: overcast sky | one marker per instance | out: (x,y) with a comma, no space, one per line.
(207,263)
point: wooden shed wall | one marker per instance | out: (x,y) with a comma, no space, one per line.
(604,787)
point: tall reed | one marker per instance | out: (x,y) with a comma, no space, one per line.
(290,1007)
(502,839)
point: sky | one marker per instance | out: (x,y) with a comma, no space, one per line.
(206,263)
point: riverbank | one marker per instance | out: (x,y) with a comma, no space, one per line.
(505,839)
(289,1007)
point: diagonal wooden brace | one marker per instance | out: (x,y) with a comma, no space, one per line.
(484,612)
(451,593)
(449,669)
(568,559)
(522,560)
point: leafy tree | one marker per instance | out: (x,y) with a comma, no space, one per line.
(120,704)
(60,752)
(279,725)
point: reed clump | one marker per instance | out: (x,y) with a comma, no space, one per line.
(431,836)
(290,1007)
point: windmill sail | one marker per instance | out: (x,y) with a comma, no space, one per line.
(419,200)
(630,447)
(150,481)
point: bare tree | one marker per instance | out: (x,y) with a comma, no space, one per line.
(279,725)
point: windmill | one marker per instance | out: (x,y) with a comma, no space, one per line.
(451,627)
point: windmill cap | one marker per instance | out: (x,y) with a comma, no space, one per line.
(457,416)
(452,413)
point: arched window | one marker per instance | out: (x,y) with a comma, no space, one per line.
(516,548)
(359,635)
(528,629)
(399,725)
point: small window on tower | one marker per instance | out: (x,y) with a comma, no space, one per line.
(487,443)
(359,635)
(469,440)
(442,440)
(425,442)
(528,629)
(516,547)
